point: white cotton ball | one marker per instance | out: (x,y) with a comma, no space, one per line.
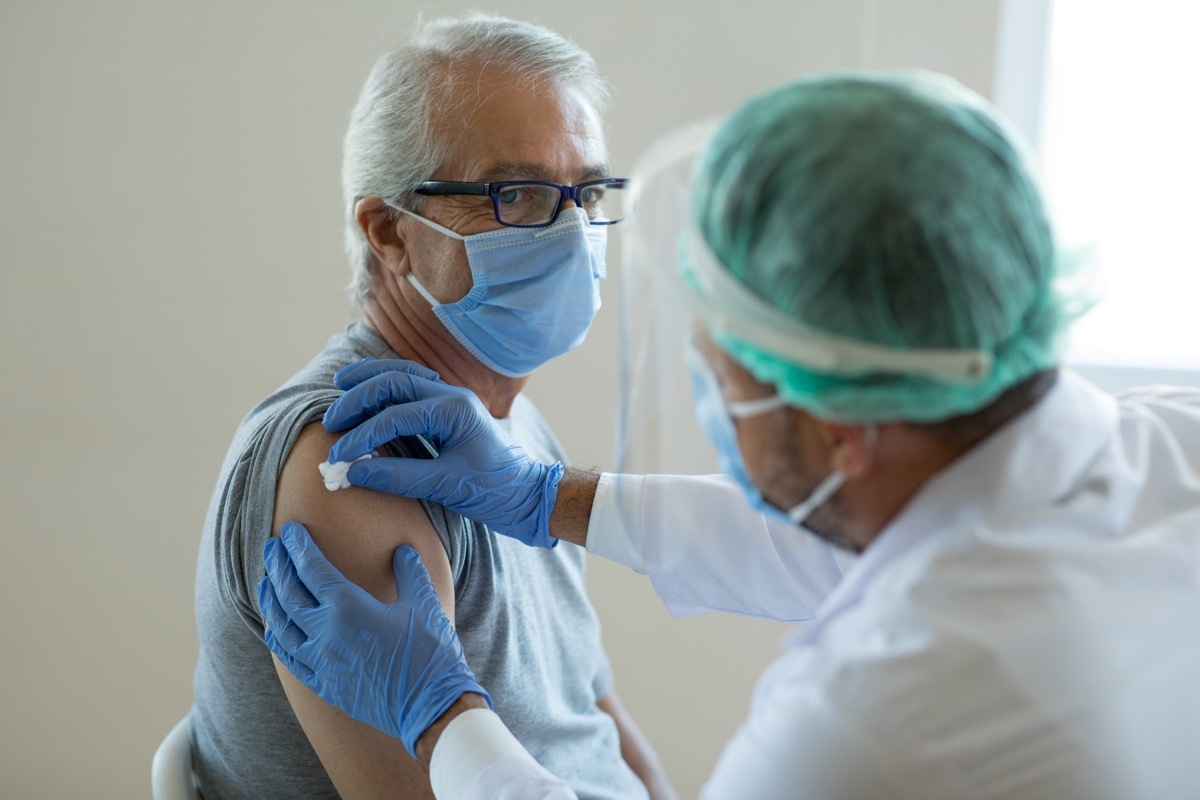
(335,473)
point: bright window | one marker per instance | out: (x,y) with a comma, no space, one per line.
(1120,146)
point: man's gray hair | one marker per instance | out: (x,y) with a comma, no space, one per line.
(391,145)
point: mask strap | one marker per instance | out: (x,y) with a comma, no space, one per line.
(416,284)
(825,490)
(412,279)
(427,222)
(752,408)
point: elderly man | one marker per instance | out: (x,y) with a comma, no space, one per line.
(876,357)
(477,190)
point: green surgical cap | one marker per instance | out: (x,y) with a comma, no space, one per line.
(892,209)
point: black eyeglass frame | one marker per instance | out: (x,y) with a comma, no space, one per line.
(492,189)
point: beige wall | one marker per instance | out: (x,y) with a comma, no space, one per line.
(170,246)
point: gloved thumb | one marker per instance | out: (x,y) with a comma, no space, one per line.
(409,570)
(415,590)
(314,574)
(407,477)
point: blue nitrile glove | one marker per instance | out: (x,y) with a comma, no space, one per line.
(479,472)
(396,667)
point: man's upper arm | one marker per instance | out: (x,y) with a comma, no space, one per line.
(358,531)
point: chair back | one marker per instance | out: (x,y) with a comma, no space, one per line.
(171,770)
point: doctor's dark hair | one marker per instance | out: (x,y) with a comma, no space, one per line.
(894,209)
(391,145)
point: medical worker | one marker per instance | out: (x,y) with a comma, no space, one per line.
(879,310)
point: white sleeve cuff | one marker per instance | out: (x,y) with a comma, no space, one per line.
(478,758)
(615,528)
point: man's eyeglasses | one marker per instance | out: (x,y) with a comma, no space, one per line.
(536,204)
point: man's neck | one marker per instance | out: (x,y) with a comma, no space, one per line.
(906,459)
(414,333)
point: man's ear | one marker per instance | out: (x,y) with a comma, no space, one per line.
(852,448)
(378,224)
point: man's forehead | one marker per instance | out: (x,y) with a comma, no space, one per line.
(504,170)
(507,127)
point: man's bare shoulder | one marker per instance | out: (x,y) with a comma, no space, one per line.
(358,530)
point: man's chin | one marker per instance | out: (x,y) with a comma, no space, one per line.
(830,531)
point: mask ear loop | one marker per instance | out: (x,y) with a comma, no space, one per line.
(412,279)
(872,436)
(752,408)
(427,222)
(416,284)
(826,488)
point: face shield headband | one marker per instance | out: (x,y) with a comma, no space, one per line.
(729,309)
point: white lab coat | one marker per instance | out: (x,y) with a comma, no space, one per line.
(1024,628)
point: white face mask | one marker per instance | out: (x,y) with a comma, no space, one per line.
(534,293)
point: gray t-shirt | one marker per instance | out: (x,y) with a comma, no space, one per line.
(529,632)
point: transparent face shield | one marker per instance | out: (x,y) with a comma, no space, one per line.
(656,427)
(672,281)
(657,430)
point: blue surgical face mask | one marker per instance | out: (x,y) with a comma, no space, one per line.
(715,417)
(534,293)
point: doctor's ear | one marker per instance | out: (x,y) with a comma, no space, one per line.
(853,448)
(378,223)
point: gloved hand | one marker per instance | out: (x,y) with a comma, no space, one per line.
(396,667)
(479,471)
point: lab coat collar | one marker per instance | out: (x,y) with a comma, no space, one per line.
(1034,460)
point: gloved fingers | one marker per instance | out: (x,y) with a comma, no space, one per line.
(348,377)
(376,393)
(272,613)
(301,670)
(412,578)
(323,581)
(289,591)
(289,635)
(427,479)
(425,417)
